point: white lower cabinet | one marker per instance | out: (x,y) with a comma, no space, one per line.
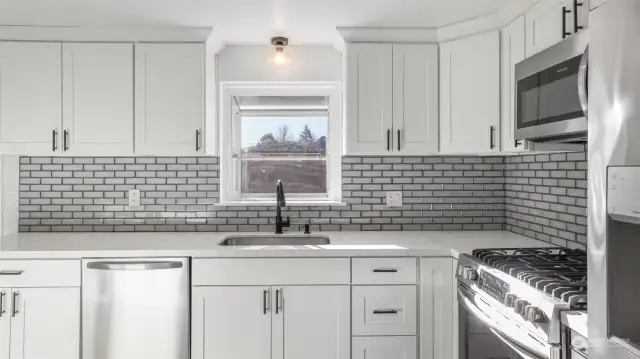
(40,323)
(384,348)
(385,310)
(296,322)
(438,308)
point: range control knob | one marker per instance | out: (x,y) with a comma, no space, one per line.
(534,314)
(519,306)
(509,300)
(470,274)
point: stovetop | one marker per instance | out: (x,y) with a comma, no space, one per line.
(558,272)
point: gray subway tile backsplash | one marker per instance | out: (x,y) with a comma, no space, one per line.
(65,194)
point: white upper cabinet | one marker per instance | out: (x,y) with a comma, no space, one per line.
(513,51)
(30,97)
(415,99)
(97,99)
(392,99)
(595,3)
(170,99)
(470,94)
(369,98)
(45,323)
(547,23)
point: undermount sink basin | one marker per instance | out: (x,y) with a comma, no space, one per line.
(274,240)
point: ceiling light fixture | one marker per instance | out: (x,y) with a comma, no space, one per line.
(279,58)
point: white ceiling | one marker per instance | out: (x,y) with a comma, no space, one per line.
(247,21)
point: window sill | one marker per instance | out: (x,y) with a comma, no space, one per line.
(290,203)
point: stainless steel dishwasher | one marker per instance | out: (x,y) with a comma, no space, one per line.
(135,308)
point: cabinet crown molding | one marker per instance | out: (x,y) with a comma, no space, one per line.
(104,34)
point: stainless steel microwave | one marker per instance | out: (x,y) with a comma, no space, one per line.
(551,92)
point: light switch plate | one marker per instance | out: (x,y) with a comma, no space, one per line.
(134,198)
(394,199)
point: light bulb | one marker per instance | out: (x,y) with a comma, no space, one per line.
(280,58)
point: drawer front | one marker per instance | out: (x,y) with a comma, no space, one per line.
(271,271)
(39,273)
(384,270)
(388,310)
(384,348)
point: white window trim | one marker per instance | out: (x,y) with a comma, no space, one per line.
(229,195)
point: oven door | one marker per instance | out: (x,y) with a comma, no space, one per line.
(515,339)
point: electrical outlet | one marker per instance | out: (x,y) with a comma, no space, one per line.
(134,198)
(394,199)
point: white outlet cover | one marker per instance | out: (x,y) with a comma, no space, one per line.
(394,199)
(134,198)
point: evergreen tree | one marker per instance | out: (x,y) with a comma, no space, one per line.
(306,136)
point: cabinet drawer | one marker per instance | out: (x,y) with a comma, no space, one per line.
(384,270)
(384,348)
(40,273)
(388,310)
(314,271)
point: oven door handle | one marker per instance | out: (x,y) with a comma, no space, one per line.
(525,354)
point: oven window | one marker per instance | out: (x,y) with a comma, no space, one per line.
(550,95)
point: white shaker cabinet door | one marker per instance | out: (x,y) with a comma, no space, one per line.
(470,94)
(45,323)
(97,99)
(513,51)
(170,99)
(30,97)
(312,323)
(369,99)
(415,99)
(231,323)
(384,348)
(438,309)
(544,22)
(5,322)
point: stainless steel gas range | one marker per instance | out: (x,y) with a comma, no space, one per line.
(511,301)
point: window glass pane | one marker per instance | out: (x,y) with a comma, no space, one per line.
(298,176)
(283,136)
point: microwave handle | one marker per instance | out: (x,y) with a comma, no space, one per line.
(583,82)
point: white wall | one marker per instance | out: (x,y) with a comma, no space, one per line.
(308,63)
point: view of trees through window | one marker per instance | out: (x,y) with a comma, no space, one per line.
(292,149)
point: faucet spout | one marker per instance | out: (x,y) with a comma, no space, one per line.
(280,202)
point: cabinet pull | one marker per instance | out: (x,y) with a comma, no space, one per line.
(11,272)
(398,140)
(278,301)
(55,140)
(564,22)
(14,304)
(65,139)
(265,308)
(388,140)
(2,310)
(197,140)
(492,130)
(385,270)
(385,311)
(576,26)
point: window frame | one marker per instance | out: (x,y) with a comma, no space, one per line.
(229,136)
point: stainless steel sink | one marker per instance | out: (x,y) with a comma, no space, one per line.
(274,240)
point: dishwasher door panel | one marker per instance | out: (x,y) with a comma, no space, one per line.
(135,308)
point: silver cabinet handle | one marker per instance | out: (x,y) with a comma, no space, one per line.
(65,140)
(11,272)
(14,304)
(279,301)
(2,310)
(55,140)
(133,265)
(265,299)
(197,140)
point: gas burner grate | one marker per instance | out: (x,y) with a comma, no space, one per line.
(558,272)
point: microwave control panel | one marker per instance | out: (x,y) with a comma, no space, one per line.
(623,196)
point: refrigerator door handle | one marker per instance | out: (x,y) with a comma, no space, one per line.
(583,83)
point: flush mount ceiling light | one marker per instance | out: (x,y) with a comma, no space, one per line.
(279,58)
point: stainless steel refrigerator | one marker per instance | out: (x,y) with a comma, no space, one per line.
(614,181)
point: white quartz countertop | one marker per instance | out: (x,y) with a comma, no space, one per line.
(205,245)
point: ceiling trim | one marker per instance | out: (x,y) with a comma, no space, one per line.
(81,34)
(388,34)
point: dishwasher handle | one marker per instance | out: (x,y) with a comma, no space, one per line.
(134,265)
